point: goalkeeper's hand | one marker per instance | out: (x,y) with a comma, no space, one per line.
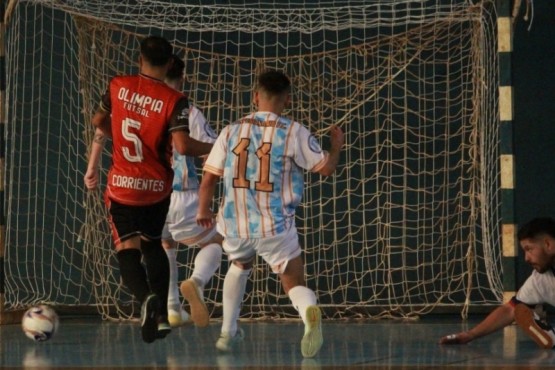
(459,338)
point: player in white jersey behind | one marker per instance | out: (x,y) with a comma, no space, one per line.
(181,225)
(261,159)
(181,219)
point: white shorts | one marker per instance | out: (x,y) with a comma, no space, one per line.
(181,221)
(276,250)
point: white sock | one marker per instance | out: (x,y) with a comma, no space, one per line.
(235,283)
(207,261)
(301,297)
(173,292)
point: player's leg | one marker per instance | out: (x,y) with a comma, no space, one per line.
(155,259)
(283,254)
(185,229)
(541,332)
(207,261)
(132,272)
(242,254)
(158,273)
(126,232)
(235,284)
(177,316)
(135,278)
(304,301)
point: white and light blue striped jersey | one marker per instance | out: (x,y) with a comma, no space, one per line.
(261,158)
(184,170)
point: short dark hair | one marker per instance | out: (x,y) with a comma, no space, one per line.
(274,82)
(156,50)
(537,227)
(177,68)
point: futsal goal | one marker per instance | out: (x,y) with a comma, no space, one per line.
(409,224)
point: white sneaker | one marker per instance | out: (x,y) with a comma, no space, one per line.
(164,328)
(541,332)
(226,342)
(312,339)
(199,312)
(177,317)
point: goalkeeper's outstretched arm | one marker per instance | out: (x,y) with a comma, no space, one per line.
(499,318)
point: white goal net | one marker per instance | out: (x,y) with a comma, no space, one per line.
(408,225)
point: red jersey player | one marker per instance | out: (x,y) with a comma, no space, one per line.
(143,115)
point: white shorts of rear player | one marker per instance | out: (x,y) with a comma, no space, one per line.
(276,250)
(181,222)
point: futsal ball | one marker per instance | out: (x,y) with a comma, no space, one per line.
(40,323)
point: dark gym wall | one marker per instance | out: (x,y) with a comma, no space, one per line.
(534,115)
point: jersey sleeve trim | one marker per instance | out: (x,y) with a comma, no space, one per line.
(322,163)
(213,170)
(180,116)
(104,108)
(513,302)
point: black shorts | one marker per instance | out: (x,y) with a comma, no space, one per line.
(129,221)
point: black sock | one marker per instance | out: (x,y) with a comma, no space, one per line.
(158,270)
(133,273)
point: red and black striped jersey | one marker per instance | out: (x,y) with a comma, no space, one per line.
(144,112)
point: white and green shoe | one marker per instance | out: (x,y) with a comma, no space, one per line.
(312,339)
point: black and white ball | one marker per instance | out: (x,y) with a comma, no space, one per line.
(40,323)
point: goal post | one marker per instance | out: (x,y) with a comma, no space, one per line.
(409,224)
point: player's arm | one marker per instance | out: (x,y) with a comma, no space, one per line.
(182,141)
(213,171)
(200,129)
(103,129)
(497,319)
(184,144)
(101,119)
(337,139)
(205,216)
(91,176)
